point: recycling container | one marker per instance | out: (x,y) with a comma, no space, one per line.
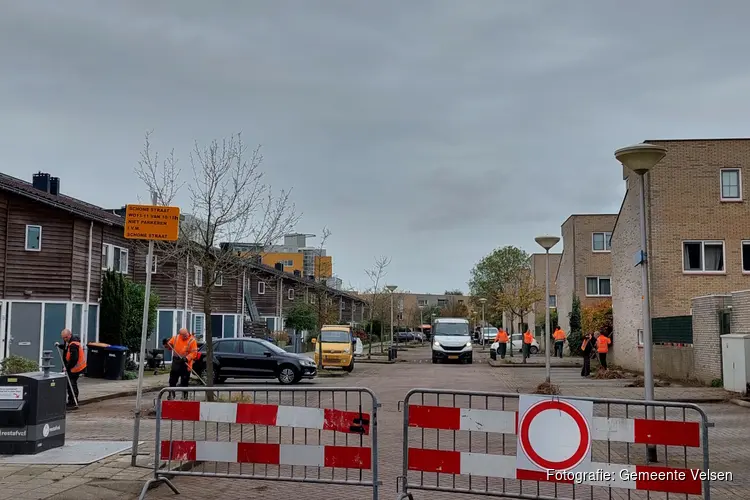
(95,357)
(114,364)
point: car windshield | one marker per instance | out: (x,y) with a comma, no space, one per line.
(489,330)
(271,347)
(335,336)
(451,329)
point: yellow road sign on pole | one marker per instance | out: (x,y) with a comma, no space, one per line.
(151,222)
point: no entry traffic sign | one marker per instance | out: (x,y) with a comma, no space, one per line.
(554,434)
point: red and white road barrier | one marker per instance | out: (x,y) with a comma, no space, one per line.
(623,430)
(344,457)
(350,422)
(632,477)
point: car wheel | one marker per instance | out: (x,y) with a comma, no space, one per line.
(470,360)
(434,360)
(287,374)
(534,349)
(350,368)
(217,377)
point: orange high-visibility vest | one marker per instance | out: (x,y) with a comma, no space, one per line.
(559,334)
(184,348)
(81,364)
(501,337)
(602,344)
(528,338)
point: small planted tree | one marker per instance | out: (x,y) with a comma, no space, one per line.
(136,294)
(377,295)
(301,317)
(575,336)
(122,311)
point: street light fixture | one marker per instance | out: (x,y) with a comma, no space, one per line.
(391,288)
(641,158)
(483,301)
(546,242)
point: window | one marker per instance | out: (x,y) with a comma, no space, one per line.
(288,263)
(422,302)
(442,302)
(33,238)
(228,346)
(746,256)
(703,256)
(153,263)
(261,288)
(218,279)
(254,348)
(290,294)
(114,258)
(601,242)
(731,184)
(640,338)
(598,286)
(198,276)
(199,324)
(553,301)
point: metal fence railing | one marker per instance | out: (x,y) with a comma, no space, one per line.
(306,435)
(482,443)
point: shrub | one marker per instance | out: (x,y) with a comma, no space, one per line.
(122,311)
(597,317)
(128,375)
(13,365)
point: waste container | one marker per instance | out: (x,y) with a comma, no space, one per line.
(114,364)
(95,357)
(32,411)
(392,353)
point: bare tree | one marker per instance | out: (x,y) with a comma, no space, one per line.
(376,275)
(230,203)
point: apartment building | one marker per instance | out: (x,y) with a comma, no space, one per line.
(538,273)
(698,230)
(585,266)
(294,255)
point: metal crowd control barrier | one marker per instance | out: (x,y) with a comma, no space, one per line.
(324,436)
(466,442)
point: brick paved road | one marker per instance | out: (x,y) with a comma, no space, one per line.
(112,420)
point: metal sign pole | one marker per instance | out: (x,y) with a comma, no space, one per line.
(142,357)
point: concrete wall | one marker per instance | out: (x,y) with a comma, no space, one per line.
(565,279)
(706,340)
(626,282)
(674,362)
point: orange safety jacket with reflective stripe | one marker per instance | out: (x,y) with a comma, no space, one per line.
(602,344)
(184,348)
(528,338)
(81,363)
(501,337)
(559,334)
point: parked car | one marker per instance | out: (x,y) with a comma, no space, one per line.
(489,333)
(517,341)
(405,336)
(255,358)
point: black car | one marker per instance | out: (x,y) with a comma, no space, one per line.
(255,358)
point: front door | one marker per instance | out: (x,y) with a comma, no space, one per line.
(163,331)
(25,330)
(54,322)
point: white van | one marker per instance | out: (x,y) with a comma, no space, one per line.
(451,340)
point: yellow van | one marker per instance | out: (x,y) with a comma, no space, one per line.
(337,345)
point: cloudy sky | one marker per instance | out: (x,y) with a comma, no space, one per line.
(427,131)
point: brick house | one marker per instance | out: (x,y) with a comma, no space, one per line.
(698,231)
(538,271)
(585,266)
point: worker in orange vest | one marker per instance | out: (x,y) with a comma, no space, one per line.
(528,339)
(559,336)
(75,362)
(502,339)
(185,349)
(602,347)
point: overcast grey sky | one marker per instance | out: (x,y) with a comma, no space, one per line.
(428,131)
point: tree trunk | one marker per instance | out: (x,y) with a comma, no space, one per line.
(208,337)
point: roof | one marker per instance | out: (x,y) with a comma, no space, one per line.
(587,215)
(59,201)
(298,279)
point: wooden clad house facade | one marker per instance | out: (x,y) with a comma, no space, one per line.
(54,250)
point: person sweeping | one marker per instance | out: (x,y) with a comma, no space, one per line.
(185,350)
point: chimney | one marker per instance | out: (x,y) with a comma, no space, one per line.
(54,185)
(41,181)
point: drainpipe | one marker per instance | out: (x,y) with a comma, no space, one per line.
(85,338)
(243,303)
(187,291)
(279,300)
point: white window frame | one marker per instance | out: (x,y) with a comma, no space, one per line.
(739,184)
(290,294)
(607,237)
(261,288)
(703,256)
(198,276)
(218,279)
(555,300)
(422,302)
(154,261)
(598,285)
(202,332)
(742,256)
(26,238)
(108,258)
(639,337)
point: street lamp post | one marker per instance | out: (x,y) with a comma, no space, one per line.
(391,289)
(483,301)
(546,242)
(639,159)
